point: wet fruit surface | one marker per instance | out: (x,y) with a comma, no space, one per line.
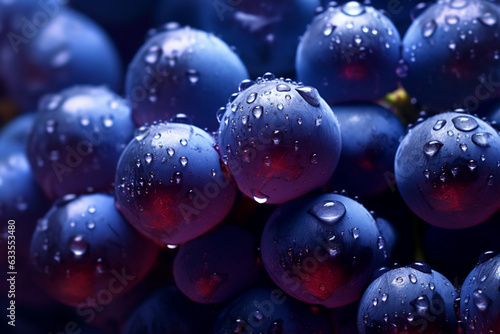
(447,169)
(170,184)
(279,139)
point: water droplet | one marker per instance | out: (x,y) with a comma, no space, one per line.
(251,98)
(413,278)
(454,171)
(328,211)
(422,267)
(107,120)
(353,8)
(244,119)
(472,164)
(402,69)
(452,45)
(450,133)
(258,196)
(421,304)
(329,28)
(57,257)
(432,286)
(268,76)
(357,40)
(91,209)
(283,88)
(380,242)
(465,123)
(429,29)
(178,177)
(432,148)
(439,125)
(257,111)
(483,158)
(314,159)
(355,233)
(481,300)
(141,133)
(148,157)
(152,55)
(280,106)
(42,224)
(50,126)
(490,180)
(452,19)
(488,19)
(442,177)
(375,301)
(247,83)
(257,315)
(183,142)
(482,139)
(277,137)
(399,280)
(90,224)
(85,120)
(183,161)
(318,120)
(427,173)
(78,245)
(385,296)
(459,3)
(486,256)
(267,161)
(310,95)
(463,147)
(170,151)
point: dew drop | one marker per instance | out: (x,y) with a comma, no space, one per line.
(432,148)
(310,95)
(314,159)
(267,161)
(488,19)
(482,139)
(472,164)
(141,133)
(283,88)
(465,123)
(178,177)
(439,125)
(78,245)
(427,173)
(183,142)
(452,19)
(152,55)
(42,224)
(463,147)
(413,278)
(258,196)
(481,300)
(50,126)
(459,3)
(355,233)
(329,28)
(375,301)
(247,83)
(107,120)
(429,29)
(328,211)
(91,224)
(402,69)
(251,98)
(170,151)
(148,157)
(277,137)
(257,111)
(183,161)
(353,8)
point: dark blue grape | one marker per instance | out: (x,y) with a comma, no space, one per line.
(450,59)
(479,298)
(269,310)
(323,249)
(85,253)
(265,33)
(412,300)
(215,267)
(279,139)
(170,184)
(64,49)
(447,170)
(168,311)
(182,70)
(349,53)
(77,139)
(370,138)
